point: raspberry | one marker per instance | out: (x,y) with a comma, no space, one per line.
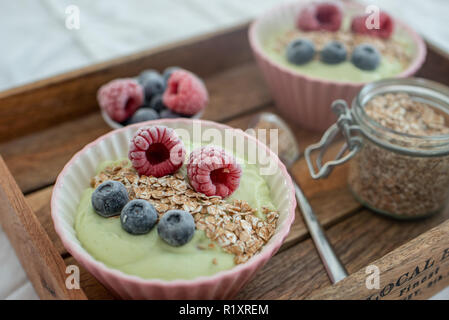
(320,16)
(185,93)
(386,25)
(213,172)
(120,98)
(156,151)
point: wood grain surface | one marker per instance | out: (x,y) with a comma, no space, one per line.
(416,270)
(359,240)
(42,263)
(36,148)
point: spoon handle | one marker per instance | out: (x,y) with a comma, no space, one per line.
(334,268)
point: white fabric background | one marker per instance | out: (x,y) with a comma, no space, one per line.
(36,44)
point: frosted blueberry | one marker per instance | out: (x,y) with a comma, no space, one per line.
(153,83)
(138,217)
(143,114)
(109,198)
(365,57)
(168,114)
(334,52)
(167,72)
(300,51)
(176,227)
(156,103)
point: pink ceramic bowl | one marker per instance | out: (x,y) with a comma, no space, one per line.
(304,99)
(75,177)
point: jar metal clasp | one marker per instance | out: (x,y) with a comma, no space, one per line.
(344,125)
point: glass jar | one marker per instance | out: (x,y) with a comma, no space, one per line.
(396,174)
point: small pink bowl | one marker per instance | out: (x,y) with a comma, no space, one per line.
(306,100)
(75,177)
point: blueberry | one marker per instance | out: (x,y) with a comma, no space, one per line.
(300,51)
(138,217)
(176,227)
(168,114)
(167,73)
(153,83)
(334,52)
(365,57)
(124,123)
(143,114)
(156,103)
(109,198)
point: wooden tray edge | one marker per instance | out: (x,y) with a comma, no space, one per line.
(44,266)
(427,253)
(64,97)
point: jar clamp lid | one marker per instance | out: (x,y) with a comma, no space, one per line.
(345,124)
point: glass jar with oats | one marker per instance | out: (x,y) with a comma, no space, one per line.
(397,134)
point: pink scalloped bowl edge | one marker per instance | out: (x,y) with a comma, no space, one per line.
(223,285)
(306,100)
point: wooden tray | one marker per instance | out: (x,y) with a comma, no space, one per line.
(44,123)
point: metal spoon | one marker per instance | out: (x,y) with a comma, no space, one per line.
(334,268)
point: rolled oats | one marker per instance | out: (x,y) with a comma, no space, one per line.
(395,183)
(234,226)
(399,112)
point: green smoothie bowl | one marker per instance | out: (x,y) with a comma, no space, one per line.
(173,209)
(312,53)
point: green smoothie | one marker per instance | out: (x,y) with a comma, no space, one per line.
(344,71)
(149,257)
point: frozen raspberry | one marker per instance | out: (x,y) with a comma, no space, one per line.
(185,93)
(386,25)
(156,151)
(120,98)
(213,172)
(320,16)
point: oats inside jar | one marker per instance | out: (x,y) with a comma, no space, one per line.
(399,184)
